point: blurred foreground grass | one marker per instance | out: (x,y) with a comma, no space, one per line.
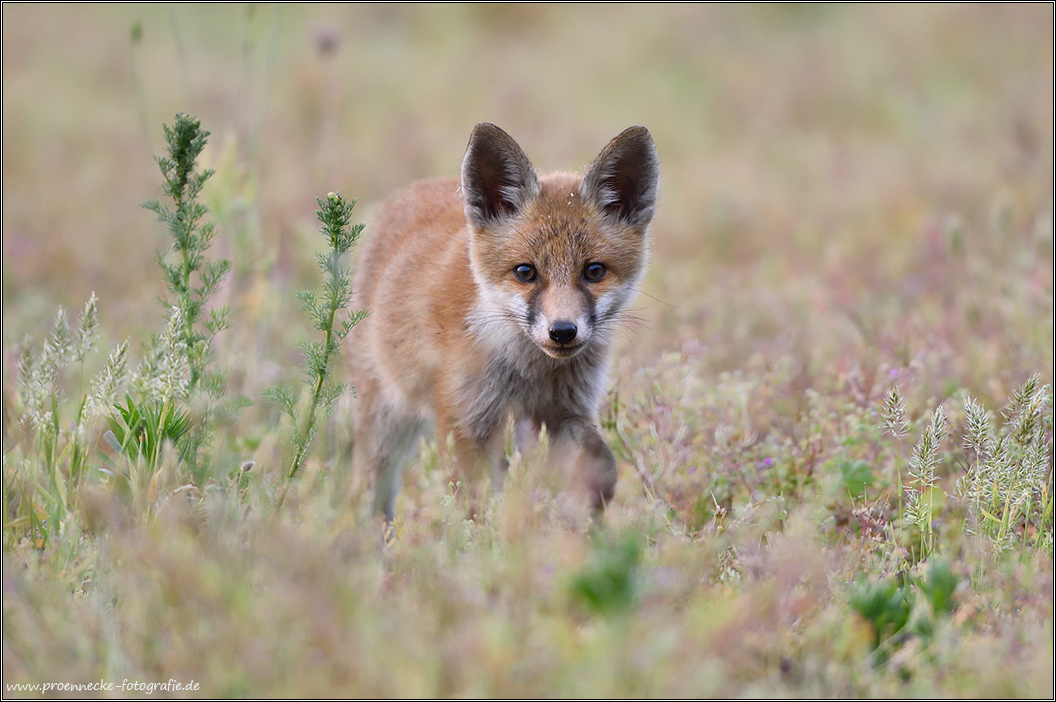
(853,199)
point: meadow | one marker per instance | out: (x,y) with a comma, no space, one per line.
(832,409)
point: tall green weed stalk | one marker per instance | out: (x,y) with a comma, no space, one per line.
(179,365)
(323,308)
(191,277)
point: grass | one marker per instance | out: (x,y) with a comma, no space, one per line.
(833,422)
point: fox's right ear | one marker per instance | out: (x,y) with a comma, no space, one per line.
(498,180)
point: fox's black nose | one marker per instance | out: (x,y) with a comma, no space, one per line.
(563,332)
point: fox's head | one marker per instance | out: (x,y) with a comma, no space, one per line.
(557,257)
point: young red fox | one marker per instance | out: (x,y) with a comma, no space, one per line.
(499,298)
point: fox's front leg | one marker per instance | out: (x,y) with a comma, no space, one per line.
(579,446)
(474,455)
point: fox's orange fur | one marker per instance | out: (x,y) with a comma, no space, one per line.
(498,296)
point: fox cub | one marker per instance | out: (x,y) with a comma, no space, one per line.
(495,297)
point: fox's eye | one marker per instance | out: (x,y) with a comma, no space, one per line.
(594,272)
(525,273)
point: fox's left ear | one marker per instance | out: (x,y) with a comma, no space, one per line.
(623,179)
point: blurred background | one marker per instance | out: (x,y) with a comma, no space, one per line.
(854,197)
(837,182)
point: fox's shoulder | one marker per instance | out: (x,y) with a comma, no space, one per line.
(427,201)
(425,218)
